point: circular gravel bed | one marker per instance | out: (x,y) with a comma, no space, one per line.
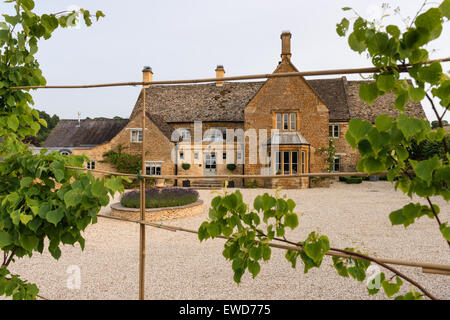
(178,266)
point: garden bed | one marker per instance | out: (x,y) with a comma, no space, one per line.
(161,204)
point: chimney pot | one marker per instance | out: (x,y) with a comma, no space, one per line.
(220,73)
(286,45)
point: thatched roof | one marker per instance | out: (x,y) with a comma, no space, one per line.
(207,102)
(68,133)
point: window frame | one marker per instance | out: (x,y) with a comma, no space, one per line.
(338,158)
(153,168)
(133,135)
(332,130)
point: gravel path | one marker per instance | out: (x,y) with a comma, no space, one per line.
(180,267)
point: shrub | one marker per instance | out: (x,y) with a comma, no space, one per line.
(231,166)
(185,166)
(351,180)
(160,198)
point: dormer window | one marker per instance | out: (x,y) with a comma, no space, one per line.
(185,134)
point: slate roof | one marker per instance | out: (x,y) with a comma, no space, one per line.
(67,133)
(206,102)
(362,110)
(288,138)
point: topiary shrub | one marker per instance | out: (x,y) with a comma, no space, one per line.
(231,166)
(351,180)
(160,198)
(185,166)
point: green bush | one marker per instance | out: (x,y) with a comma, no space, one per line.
(351,180)
(231,166)
(185,166)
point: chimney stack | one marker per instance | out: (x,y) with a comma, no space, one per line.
(147,75)
(286,45)
(220,73)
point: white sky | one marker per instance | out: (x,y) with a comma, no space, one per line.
(186,39)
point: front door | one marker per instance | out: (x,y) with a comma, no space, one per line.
(210,164)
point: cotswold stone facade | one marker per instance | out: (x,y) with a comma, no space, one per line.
(280,126)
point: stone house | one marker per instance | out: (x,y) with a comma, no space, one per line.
(281,126)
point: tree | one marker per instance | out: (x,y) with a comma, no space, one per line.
(41,198)
(383,147)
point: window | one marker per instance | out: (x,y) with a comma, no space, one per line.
(90,165)
(65,153)
(224,156)
(303,161)
(286,121)
(278,163)
(287,162)
(239,155)
(334,130)
(136,135)
(293,121)
(153,168)
(196,155)
(181,155)
(337,164)
(185,134)
(224,134)
(294,162)
(278,121)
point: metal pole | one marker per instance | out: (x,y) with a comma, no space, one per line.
(142,207)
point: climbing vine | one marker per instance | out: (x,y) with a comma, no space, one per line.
(383,147)
(42,202)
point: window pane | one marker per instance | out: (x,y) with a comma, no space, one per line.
(336,131)
(286,121)
(330,130)
(278,163)
(93,165)
(337,164)
(294,162)
(147,170)
(224,156)
(140,135)
(293,121)
(181,155)
(158,171)
(278,121)
(303,162)
(286,162)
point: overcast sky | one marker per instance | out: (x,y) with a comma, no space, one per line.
(186,39)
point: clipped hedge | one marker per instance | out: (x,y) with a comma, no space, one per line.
(351,180)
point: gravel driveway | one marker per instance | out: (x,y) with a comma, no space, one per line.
(180,267)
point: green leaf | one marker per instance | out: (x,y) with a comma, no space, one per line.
(25,218)
(392,288)
(424,169)
(416,94)
(445,231)
(431,74)
(29,242)
(5,239)
(254,268)
(445,8)
(385,82)
(26,182)
(384,122)
(13,122)
(255,253)
(98,189)
(430,20)
(266,253)
(72,198)
(393,30)
(55,216)
(368,92)
(291,220)
(342,27)
(27,4)
(355,44)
